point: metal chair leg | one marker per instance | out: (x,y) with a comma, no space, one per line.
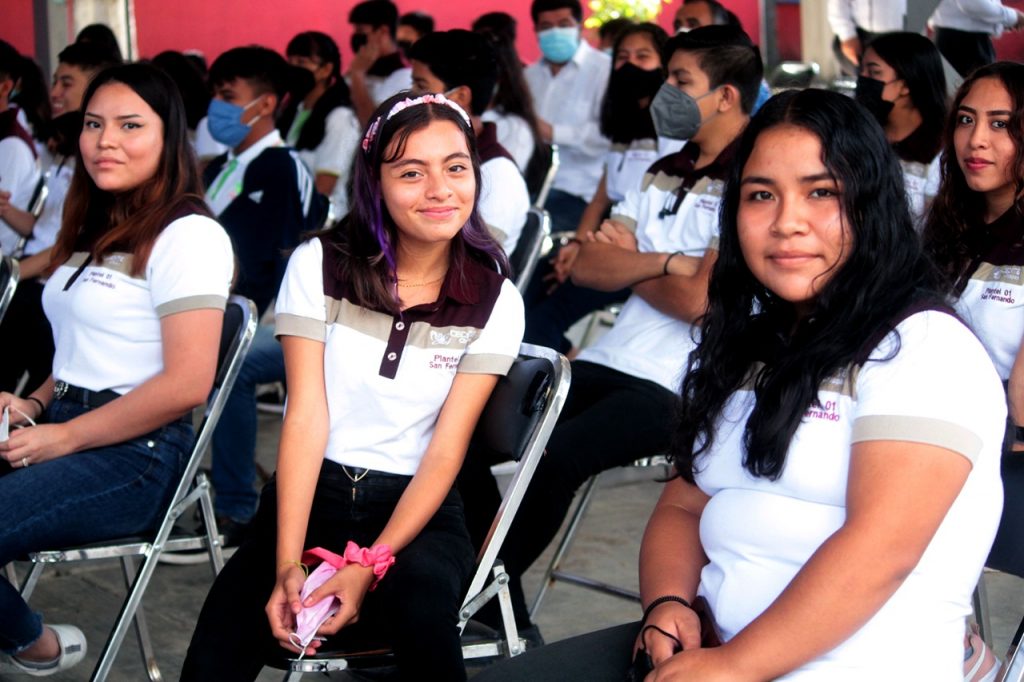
(1013,669)
(563,545)
(12,575)
(29,584)
(210,523)
(981,611)
(141,629)
(127,615)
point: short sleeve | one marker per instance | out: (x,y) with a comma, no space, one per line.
(504,200)
(341,136)
(497,346)
(191,266)
(627,211)
(940,388)
(301,307)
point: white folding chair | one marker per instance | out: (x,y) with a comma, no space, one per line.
(515,424)
(554,570)
(9,275)
(239,327)
(549,178)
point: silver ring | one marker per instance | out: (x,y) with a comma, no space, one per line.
(24,462)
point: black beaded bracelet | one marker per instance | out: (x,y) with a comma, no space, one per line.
(37,401)
(664,270)
(661,600)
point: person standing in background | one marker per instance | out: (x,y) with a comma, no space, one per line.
(964,30)
(568,85)
(855,23)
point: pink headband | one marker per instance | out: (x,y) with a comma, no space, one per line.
(404,104)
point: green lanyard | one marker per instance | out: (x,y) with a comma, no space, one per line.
(225,174)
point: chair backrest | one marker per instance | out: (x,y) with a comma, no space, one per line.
(528,249)
(9,275)
(235,339)
(549,178)
(540,172)
(516,424)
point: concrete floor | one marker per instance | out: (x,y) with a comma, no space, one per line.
(606,548)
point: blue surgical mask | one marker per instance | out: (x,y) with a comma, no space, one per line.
(558,45)
(225,122)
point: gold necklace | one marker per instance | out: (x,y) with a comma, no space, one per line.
(420,284)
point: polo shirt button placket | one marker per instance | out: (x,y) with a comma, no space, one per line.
(392,356)
(400,326)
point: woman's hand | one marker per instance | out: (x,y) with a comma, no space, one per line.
(695,665)
(615,233)
(349,585)
(284,604)
(36,444)
(21,409)
(562,263)
(677,621)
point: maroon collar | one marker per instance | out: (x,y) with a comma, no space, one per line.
(487,145)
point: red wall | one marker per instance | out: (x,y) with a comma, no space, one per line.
(213,26)
(16,25)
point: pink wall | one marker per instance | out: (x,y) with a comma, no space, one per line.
(213,27)
(16,25)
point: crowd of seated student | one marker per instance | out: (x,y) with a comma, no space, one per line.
(659,162)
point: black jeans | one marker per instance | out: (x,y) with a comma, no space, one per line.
(610,419)
(414,608)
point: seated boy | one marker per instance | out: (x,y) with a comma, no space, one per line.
(463,66)
(661,243)
(265,198)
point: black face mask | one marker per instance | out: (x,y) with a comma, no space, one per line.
(632,83)
(404,46)
(869,94)
(357,41)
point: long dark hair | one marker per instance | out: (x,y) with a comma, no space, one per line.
(102,222)
(746,324)
(957,209)
(917,62)
(622,118)
(512,95)
(316,45)
(367,237)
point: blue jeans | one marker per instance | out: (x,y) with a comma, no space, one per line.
(89,496)
(234,439)
(565,210)
(415,608)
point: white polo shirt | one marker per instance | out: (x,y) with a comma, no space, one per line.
(388,376)
(992,302)
(514,135)
(504,199)
(106,322)
(334,154)
(934,386)
(645,342)
(571,102)
(976,16)
(44,232)
(19,175)
(922,182)
(626,164)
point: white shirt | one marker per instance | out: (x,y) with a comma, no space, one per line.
(381,88)
(922,184)
(334,154)
(938,389)
(106,323)
(645,342)
(514,135)
(625,165)
(874,16)
(977,16)
(19,175)
(388,376)
(571,103)
(504,201)
(226,187)
(44,233)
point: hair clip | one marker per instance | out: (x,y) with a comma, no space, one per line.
(404,104)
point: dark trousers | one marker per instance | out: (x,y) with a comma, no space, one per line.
(609,420)
(549,316)
(565,210)
(602,656)
(414,608)
(26,340)
(965,50)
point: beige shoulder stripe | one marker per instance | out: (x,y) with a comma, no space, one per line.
(924,430)
(180,305)
(286,324)
(486,363)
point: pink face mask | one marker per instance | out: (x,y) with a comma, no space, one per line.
(310,618)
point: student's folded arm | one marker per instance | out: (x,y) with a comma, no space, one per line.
(682,296)
(898,493)
(607,267)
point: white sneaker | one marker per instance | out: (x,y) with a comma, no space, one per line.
(72,650)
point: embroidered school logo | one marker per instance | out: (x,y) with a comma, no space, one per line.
(827,410)
(458,336)
(439,338)
(463,336)
(446,361)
